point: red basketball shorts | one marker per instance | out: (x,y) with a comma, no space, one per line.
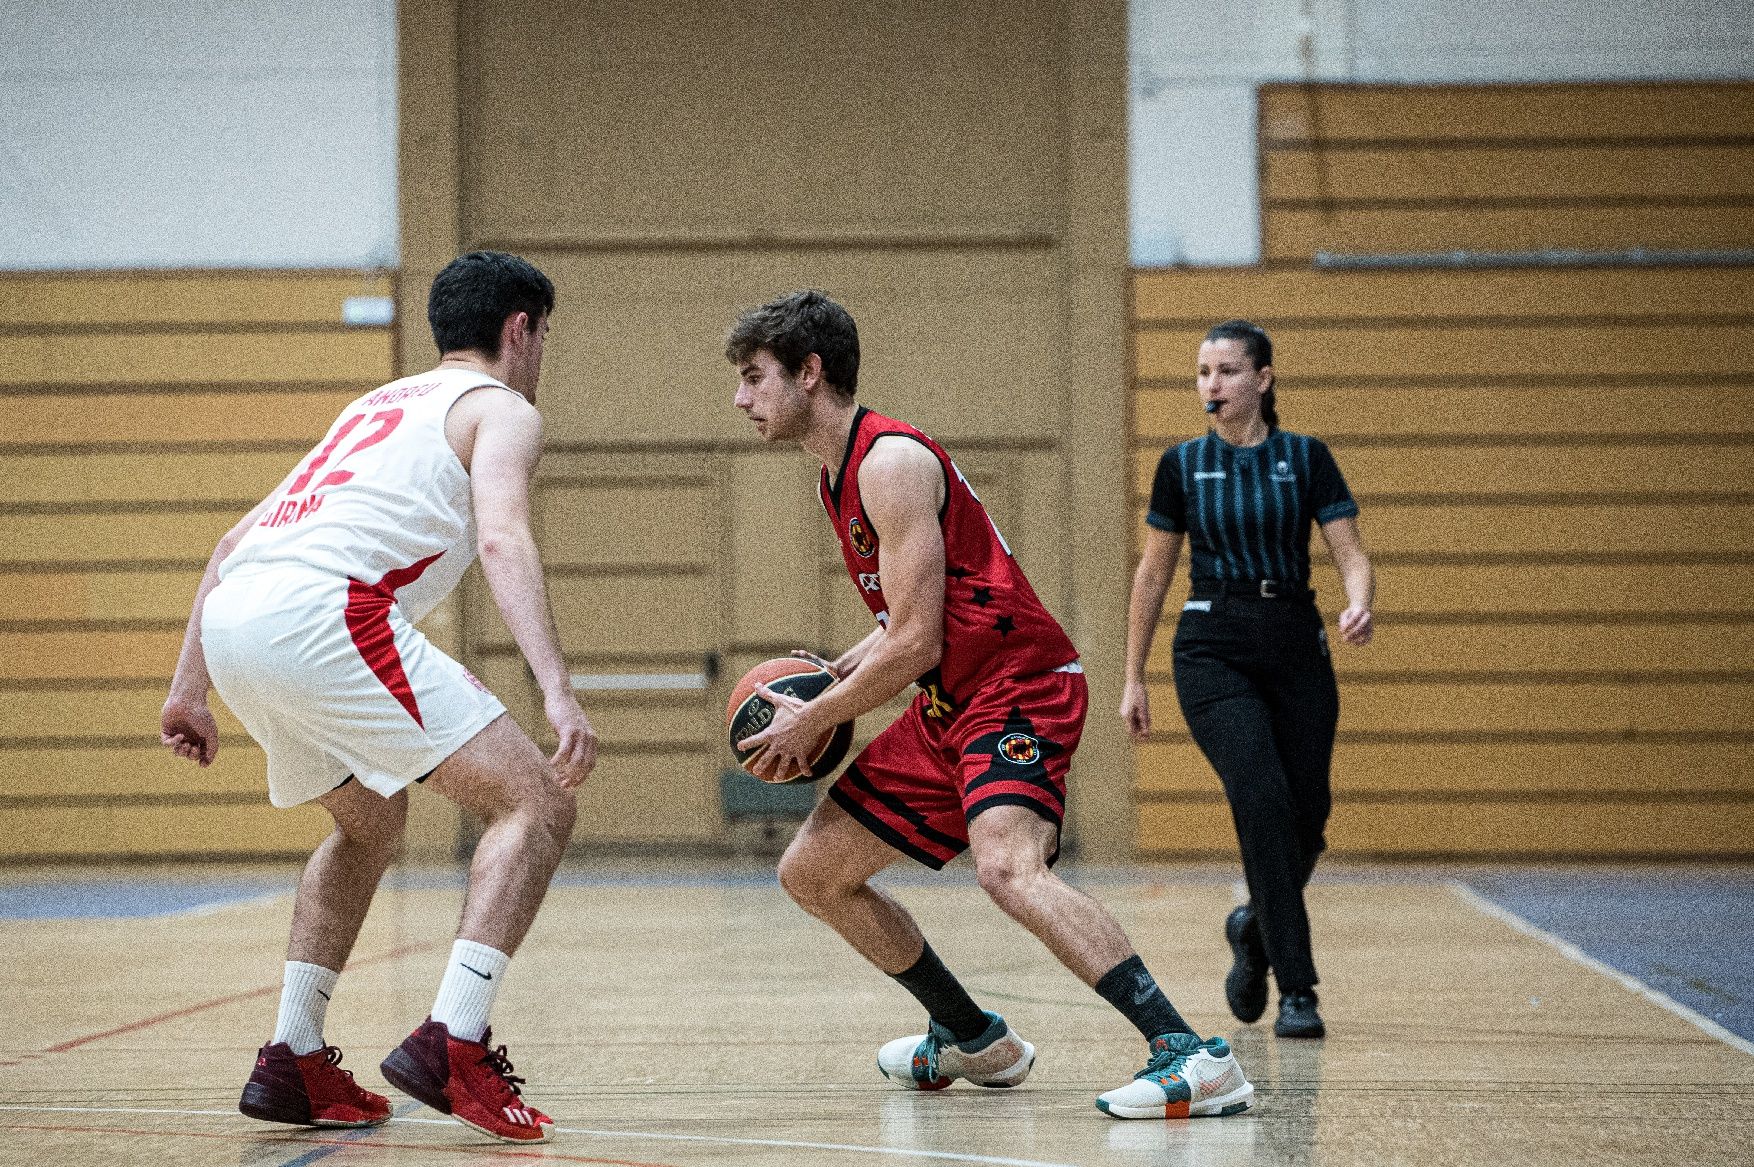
(921,781)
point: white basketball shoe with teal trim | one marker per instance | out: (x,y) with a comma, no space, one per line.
(934,1059)
(1185,1078)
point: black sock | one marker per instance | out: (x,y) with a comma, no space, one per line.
(942,994)
(1131,989)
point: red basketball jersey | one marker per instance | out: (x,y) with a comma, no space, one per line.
(994,625)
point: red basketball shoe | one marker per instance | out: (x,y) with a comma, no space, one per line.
(309,1090)
(466,1080)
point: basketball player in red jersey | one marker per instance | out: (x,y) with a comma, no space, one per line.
(304,622)
(979,759)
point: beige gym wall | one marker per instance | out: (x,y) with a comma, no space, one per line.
(954,173)
(146,413)
(1551,460)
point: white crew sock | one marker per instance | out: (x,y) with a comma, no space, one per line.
(304,1001)
(465,996)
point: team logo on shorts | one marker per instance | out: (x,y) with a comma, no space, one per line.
(1020,748)
(937,704)
(860,538)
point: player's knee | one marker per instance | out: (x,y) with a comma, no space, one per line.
(379,831)
(796,878)
(1007,876)
(550,814)
(807,881)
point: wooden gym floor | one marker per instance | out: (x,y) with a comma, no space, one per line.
(684,1015)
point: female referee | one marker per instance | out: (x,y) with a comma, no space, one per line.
(1251,656)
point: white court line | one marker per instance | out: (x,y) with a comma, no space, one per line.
(905,1152)
(1571,951)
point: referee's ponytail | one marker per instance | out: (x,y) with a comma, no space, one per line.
(1259,346)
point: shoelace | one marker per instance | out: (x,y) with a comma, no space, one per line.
(930,1049)
(1165,1063)
(332,1056)
(496,1060)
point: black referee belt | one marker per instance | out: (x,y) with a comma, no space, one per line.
(1259,589)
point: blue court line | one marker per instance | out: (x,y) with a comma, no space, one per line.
(346,1136)
(128,898)
(158,895)
(1687,934)
(439,879)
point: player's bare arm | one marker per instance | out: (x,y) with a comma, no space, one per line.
(185,724)
(1356,577)
(902,485)
(1150,584)
(504,447)
(843,665)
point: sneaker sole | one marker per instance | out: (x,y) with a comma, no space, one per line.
(495,1135)
(1224,1106)
(1307,1033)
(909,1082)
(254,1105)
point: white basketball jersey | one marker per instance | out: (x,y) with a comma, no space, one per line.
(382,499)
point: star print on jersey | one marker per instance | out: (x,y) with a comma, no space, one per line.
(1018,754)
(1004,625)
(983,596)
(958,572)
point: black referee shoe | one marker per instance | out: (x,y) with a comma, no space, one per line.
(1245,987)
(1298,1016)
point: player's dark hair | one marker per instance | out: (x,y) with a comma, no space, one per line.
(796,325)
(1259,347)
(472,297)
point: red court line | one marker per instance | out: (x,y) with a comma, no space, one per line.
(347,1144)
(218,1001)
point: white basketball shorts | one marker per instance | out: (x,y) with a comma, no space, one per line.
(329,676)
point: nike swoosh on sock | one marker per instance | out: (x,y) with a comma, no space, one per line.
(478,972)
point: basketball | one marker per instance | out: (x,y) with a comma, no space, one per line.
(748,713)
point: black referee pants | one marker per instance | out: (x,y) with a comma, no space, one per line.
(1257,688)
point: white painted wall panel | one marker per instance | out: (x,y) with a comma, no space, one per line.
(260,133)
(1553,40)
(1195,65)
(197,133)
(1192,203)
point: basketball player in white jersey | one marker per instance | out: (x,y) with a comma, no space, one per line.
(304,622)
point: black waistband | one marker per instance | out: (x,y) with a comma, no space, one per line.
(1259,589)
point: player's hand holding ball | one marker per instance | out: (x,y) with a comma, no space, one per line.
(769,727)
(825,665)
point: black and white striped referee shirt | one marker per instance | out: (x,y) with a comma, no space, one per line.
(1248,510)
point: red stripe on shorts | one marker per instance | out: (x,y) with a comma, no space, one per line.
(368,622)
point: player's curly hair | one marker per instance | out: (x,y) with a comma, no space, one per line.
(473,295)
(796,325)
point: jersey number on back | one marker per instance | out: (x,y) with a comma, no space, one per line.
(386,419)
